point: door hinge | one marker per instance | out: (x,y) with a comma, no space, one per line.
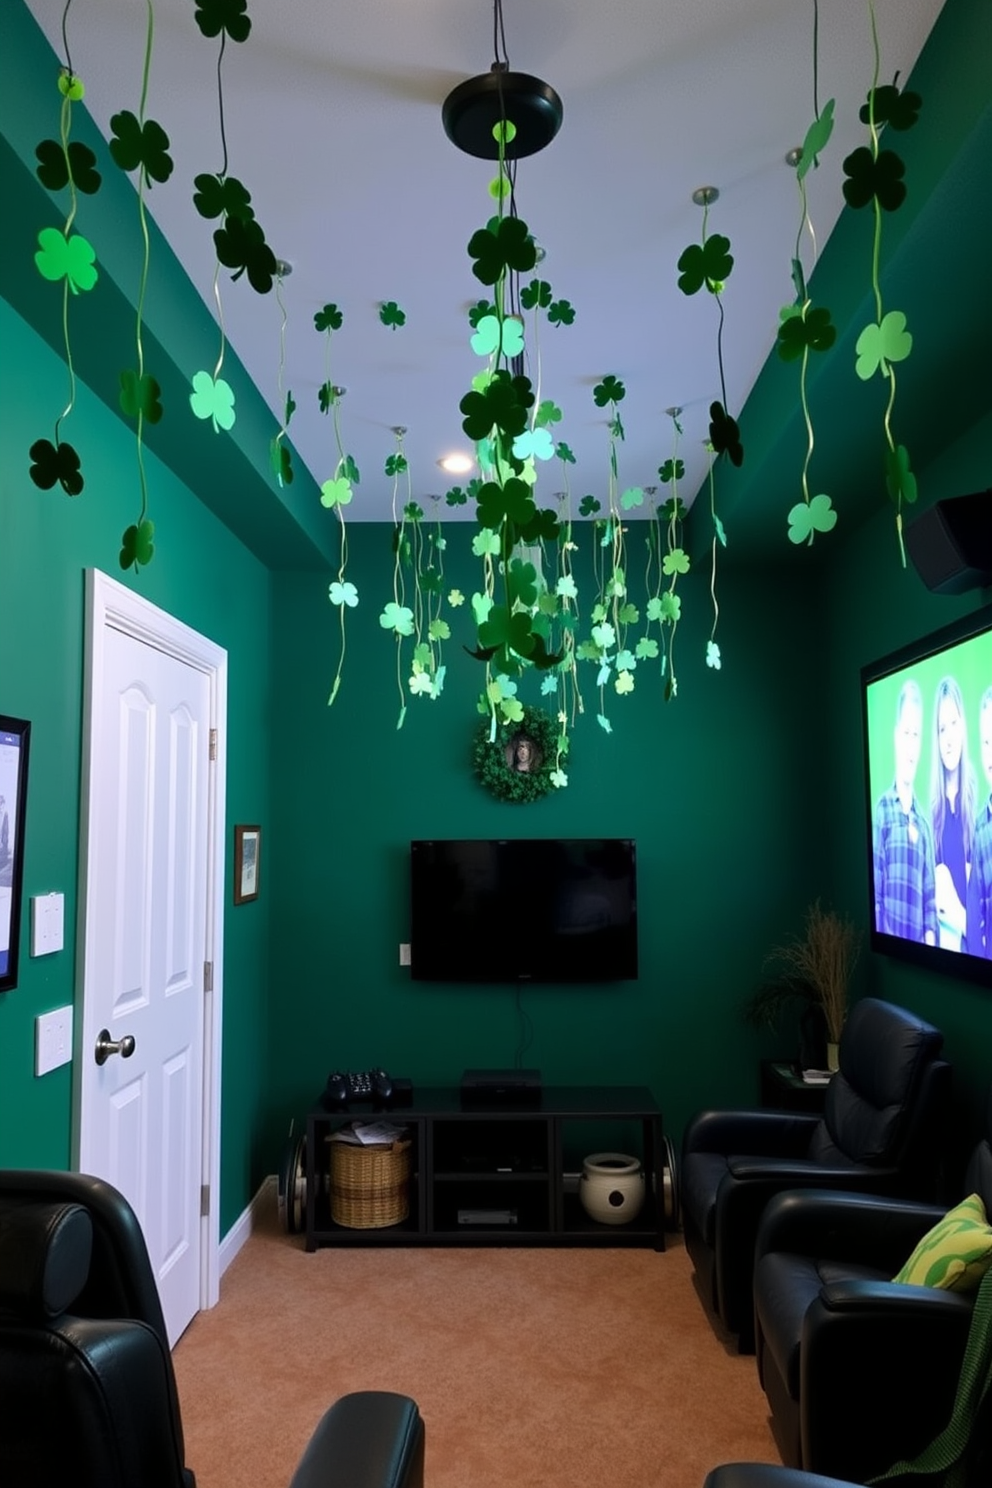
(213,744)
(208,976)
(204,1200)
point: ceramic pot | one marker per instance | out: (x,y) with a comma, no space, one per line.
(833,1063)
(611,1187)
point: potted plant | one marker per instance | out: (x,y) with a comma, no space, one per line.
(811,972)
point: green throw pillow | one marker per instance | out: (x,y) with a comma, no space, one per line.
(956,1253)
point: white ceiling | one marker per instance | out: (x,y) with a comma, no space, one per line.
(333,119)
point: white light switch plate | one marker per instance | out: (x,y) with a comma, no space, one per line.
(47,924)
(52,1040)
(404,954)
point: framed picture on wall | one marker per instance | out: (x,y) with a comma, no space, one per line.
(247,849)
(15,735)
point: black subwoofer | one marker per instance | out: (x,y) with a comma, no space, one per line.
(951,543)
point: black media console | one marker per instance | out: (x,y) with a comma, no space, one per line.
(494,1173)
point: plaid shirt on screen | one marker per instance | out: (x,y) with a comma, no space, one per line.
(905,887)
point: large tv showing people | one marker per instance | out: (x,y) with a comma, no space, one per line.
(928,741)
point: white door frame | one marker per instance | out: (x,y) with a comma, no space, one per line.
(112,606)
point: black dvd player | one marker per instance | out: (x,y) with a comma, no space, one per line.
(501,1085)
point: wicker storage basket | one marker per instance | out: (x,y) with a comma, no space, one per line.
(370,1186)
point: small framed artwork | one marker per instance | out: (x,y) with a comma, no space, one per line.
(247,850)
(15,735)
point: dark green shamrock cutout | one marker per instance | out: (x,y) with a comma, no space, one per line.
(561,313)
(671,470)
(817,135)
(145,145)
(325,396)
(508,245)
(328,319)
(141,395)
(537,294)
(544,526)
(281,462)
(138,545)
(512,501)
(241,246)
(55,464)
(674,509)
(431,579)
(899,478)
(391,315)
(588,506)
(503,405)
(515,631)
(706,263)
(521,583)
(901,110)
(350,470)
(564,453)
(725,436)
(214,16)
(71,258)
(868,178)
(456,496)
(812,330)
(610,390)
(479,311)
(547,413)
(413,512)
(53,168)
(222,196)
(396,464)
(799,281)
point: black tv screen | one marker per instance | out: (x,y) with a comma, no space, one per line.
(928,739)
(524,910)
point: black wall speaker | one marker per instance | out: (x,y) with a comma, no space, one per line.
(951,543)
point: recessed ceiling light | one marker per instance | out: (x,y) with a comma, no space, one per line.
(456,464)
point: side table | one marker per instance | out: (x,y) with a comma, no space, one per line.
(784,1089)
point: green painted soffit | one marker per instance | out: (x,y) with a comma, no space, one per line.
(935,268)
(230,473)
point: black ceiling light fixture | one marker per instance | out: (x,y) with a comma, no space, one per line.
(472,110)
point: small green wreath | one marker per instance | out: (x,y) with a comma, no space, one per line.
(516,765)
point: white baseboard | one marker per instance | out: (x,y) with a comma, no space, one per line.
(246,1222)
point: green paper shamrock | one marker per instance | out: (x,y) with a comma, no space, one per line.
(626,661)
(561,313)
(137,545)
(289,410)
(899,478)
(674,509)
(495,250)
(485,542)
(512,710)
(880,344)
(396,464)
(240,245)
(456,598)
(604,723)
(420,683)
(646,648)
(706,263)
(719,530)
(145,145)
(671,607)
(325,397)
(54,170)
(391,315)
(71,86)
(492,336)
(413,511)
(542,527)
(479,311)
(140,395)
(512,501)
(562,452)
(328,319)
(213,400)
(281,461)
(810,330)
(566,587)
(671,470)
(536,443)
(629,614)
(624,684)
(222,196)
(343,594)
(521,582)
(457,496)
(806,521)
(713,655)
(633,496)
(214,16)
(817,135)
(868,178)
(725,436)
(71,258)
(55,463)
(588,506)
(549,684)
(397,617)
(501,628)
(654,610)
(604,635)
(503,405)
(547,413)
(675,562)
(901,110)
(558,779)
(536,295)
(336,492)
(439,630)
(348,468)
(610,390)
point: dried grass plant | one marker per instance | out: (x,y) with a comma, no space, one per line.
(819,964)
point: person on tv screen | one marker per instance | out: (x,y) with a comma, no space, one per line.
(980,878)
(902,838)
(953,798)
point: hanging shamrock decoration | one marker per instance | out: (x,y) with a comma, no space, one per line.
(665,605)
(875,177)
(280,456)
(66,258)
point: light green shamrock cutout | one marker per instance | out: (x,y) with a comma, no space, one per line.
(213,400)
(719,530)
(713,655)
(534,442)
(558,779)
(625,661)
(343,594)
(806,521)
(485,541)
(512,710)
(547,413)
(59,257)
(420,682)
(604,723)
(549,685)
(633,496)
(817,135)
(654,610)
(456,598)
(604,635)
(481,605)
(336,492)
(603,675)
(71,86)
(671,607)
(880,344)
(489,340)
(422,654)
(616,584)
(397,617)
(629,614)
(675,562)
(624,683)
(646,648)
(439,630)
(598,613)
(566,587)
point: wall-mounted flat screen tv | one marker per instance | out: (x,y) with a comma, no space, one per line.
(928,740)
(546,910)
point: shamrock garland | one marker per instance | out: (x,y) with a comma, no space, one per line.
(336,492)
(493,752)
(280,455)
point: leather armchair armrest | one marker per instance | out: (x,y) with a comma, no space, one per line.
(368,1439)
(765,1475)
(922,1304)
(777,1133)
(843,1225)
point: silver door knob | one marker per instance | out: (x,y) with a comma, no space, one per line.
(105,1046)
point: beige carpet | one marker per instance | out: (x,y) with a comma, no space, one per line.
(532,1368)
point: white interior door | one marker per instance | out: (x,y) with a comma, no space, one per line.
(146,1057)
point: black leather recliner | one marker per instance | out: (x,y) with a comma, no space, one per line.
(880,1133)
(763,1475)
(838,1341)
(87,1390)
